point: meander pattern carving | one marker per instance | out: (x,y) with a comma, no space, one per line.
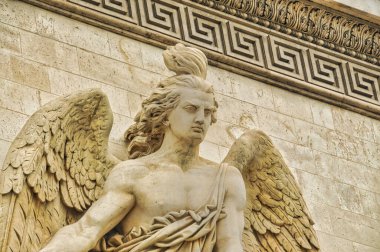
(309,22)
(249,44)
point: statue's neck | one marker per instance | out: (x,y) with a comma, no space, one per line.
(178,151)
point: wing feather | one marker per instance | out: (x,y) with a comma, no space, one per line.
(276,214)
(54,169)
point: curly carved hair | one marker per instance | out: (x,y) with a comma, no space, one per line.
(145,136)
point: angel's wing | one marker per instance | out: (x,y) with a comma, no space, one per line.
(54,169)
(276,216)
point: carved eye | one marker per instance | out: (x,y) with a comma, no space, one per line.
(207,112)
(191,108)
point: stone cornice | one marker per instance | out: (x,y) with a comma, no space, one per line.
(309,21)
(238,45)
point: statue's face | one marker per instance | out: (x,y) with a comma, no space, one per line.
(191,118)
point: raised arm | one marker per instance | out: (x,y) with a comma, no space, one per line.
(115,202)
(230,229)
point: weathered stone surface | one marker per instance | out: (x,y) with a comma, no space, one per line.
(4,146)
(20,70)
(9,38)
(19,98)
(250,90)
(63,83)
(322,114)
(18,14)
(314,136)
(10,123)
(330,243)
(353,124)
(292,104)
(277,125)
(296,156)
(237,112)
(49,52)
(318,189)
(125,49)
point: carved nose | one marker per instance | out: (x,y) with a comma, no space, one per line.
(200,119)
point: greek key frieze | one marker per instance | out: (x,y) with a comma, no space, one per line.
(259,38)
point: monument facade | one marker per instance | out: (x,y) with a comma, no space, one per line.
(329,139)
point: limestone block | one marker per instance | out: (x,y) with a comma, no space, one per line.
(125,49)
(220,80)
(120,125)
(291,104)
(72,32)
(94,66)
(321,215)
(11,123)
(370,202)
(372,154)
(358,219)
(237,112)
(153,61)
(118,99)
(116,73)
(218,134)
(49,52)
(18,14)
(44,23)
(357,150)
(376,127)
(357,232)
(20,70)
(296,156)
(4,146)
(252,91)
(276,124)
(19,98)
(143,81)
(362,248)
(46,97)
(348,147)
(63,83)
(134,103)
(349,198)
(209,151)
(322,114)
(318,189)
(347,172)
(353,124)
(331,243)
(9,39)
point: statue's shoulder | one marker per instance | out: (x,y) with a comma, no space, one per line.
(130,169)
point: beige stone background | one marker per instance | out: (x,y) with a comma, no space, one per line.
(333,153)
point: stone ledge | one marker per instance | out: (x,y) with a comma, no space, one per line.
(238,46)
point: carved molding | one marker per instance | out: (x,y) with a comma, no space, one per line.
(308,21)
(247,48)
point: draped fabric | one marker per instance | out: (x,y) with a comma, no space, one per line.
(185,230)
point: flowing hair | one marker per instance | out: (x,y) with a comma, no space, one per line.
(145,136)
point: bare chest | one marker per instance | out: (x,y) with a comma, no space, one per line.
(163,191)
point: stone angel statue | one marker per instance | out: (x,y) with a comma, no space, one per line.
(61,189)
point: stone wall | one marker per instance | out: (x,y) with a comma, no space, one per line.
(333,153)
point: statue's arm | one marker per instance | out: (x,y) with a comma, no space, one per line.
(230,229)
(115,202)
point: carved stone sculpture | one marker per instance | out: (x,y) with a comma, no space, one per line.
(61,190)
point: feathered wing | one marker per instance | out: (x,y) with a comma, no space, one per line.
(276,216)
(54,169)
